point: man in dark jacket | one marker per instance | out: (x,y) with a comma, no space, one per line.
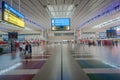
(28,48)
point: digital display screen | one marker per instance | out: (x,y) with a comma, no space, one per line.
(111,33)
(12,35)
(11,15)
(60,24)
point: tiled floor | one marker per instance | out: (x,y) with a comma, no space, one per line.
(13,66)
(99,62)
(16,77)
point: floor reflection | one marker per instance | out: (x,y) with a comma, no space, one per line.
(108,54)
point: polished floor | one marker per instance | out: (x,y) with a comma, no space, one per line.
(78,62)
(98,62)
(61,66)
(13,66)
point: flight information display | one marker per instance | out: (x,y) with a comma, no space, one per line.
(12,35)
(60,24)
(11,15)
(111,33)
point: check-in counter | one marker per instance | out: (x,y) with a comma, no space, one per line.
(5,48)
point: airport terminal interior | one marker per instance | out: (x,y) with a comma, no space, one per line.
(59,39)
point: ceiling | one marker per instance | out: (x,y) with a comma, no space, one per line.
(83,15)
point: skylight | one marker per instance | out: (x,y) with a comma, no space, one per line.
(60,11)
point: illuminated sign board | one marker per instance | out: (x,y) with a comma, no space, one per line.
(60,24)
(11,15)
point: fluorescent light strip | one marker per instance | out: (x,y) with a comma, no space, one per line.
(26,28)
(32,22)
(4,29)
(107,23)
(114,9)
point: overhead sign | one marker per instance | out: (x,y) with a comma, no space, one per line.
(60,24)
(111,33)
(11,15)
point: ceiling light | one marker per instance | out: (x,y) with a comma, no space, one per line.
(113,9)
(53,28)
(118,29)
(107,23)
(68,28)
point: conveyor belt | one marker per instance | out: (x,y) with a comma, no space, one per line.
(61,66)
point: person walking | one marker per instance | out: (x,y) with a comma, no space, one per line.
(116,42)
(28,50)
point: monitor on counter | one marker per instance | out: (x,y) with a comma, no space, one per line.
(60,24)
